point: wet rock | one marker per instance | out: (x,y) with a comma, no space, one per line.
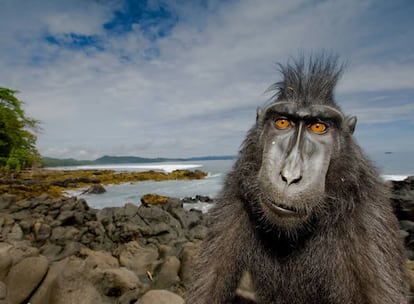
(3,291)
(116,281)
(25,276)
(5,260)
(162,226)
(67,217)
(160,297)
(113,255)
(41,231)
(168,274)
(98,259)
(6,200)
(188,258)
(199,232)
(95,189)
(21,250)
(131,296)
(51,251)
(130,210)
(70,248)
(67,283)
(16,233)
(138,258)
(42,294)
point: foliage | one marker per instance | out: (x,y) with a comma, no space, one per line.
(17,138)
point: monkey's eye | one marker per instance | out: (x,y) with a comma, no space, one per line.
(318,127)
(282,123)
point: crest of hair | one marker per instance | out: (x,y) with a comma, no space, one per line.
(311,79)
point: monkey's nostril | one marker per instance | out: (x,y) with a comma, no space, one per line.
(290,179)
(296,180)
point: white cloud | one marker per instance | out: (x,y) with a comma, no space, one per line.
(378,77)
(199,96)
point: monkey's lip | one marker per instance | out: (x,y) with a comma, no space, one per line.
(284,210)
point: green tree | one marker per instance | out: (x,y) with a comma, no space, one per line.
(17,138)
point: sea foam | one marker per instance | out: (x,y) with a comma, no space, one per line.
(167,168)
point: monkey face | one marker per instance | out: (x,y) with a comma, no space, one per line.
(298,143)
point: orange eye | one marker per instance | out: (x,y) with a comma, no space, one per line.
(318,127)
(282,123)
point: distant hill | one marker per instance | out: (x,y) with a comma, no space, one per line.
(106,160)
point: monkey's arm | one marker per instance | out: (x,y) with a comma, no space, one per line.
(221,259)
(383,280)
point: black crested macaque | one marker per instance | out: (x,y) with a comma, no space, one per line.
(303,210)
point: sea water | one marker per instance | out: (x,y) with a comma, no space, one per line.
(393,166)
(119,195)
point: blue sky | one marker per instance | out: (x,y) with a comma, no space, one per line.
(184,78)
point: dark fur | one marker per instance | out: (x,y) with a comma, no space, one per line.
(348,252)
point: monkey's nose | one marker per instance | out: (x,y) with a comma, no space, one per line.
(290,177)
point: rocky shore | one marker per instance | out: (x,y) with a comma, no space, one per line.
(54,182)
(59,250)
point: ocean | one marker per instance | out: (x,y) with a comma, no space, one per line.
(393,166)
(119,195)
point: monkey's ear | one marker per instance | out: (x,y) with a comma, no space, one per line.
(350,122)
(259,114)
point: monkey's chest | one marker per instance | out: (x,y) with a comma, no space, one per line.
(306,277)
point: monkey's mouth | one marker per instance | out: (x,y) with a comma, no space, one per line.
(284,210)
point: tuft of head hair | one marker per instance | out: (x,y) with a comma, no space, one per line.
(311,79)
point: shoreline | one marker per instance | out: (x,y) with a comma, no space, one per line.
(54,182)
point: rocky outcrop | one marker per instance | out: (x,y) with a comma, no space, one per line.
(95,189)
(58,250)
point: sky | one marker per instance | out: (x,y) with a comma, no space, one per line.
(183,78)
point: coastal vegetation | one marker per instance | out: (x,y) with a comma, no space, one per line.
(17,133)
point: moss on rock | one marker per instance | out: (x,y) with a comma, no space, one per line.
(154,199)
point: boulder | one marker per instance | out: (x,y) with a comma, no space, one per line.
(188,258)
(160,297)
(41,231)
(113,255)
(168,274)
(6,200)
(16,233)
(131,296)
(95,189)
(403,198)
(4,299)
(6,260)
(25,276)
(98,259)
(21,250)
(66,283)
(138,258)
(161,227)
(115,282)
(130,210)
(42,294)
